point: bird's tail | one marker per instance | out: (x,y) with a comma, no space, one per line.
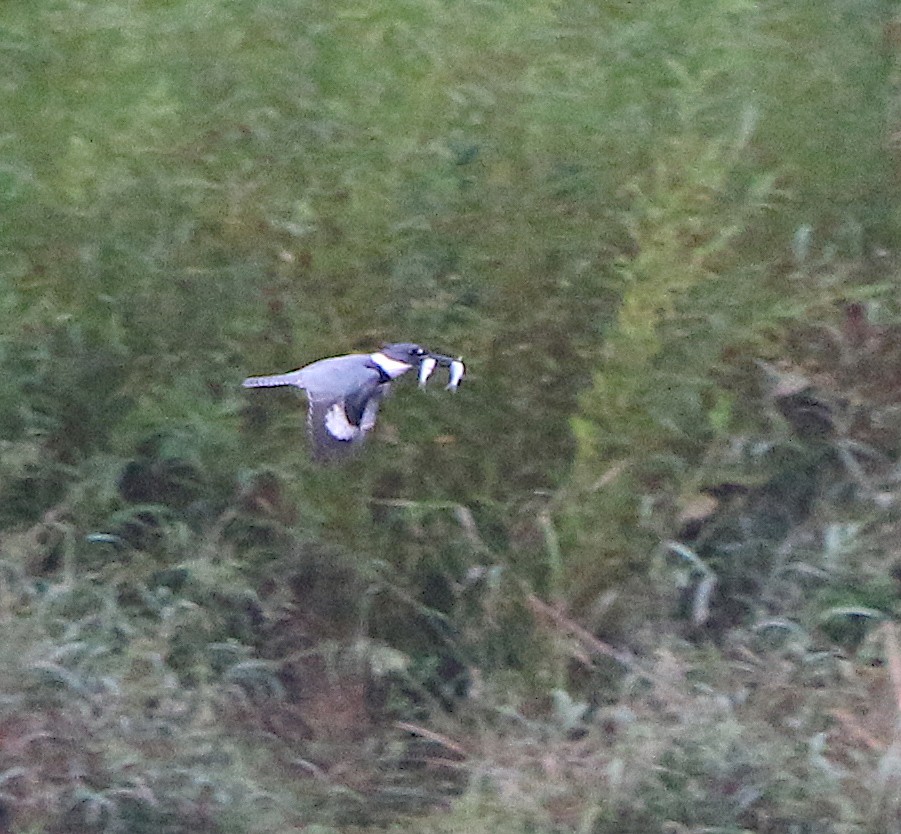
(292,378)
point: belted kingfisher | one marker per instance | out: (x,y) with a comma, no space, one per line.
(344,392)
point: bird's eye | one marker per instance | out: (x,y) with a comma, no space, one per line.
(417,351)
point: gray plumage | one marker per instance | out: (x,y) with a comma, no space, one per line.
(344,394)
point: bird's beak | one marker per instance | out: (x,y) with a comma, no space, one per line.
(442,361)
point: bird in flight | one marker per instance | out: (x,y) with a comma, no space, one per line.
(344,392)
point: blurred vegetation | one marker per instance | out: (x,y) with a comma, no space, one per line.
(639,575)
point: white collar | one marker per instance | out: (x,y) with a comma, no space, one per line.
(392,367)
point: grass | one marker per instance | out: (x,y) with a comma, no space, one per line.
(637,576)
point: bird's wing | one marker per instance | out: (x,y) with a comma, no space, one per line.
(338,425)
(371,411)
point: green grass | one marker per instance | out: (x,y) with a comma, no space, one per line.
(614,212)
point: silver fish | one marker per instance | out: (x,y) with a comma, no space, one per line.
(425,370)
(455,375)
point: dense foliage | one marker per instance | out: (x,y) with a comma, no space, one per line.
(638,575)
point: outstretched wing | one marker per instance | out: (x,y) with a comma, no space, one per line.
(338,426)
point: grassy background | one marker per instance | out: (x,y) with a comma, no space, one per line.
(638,575)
